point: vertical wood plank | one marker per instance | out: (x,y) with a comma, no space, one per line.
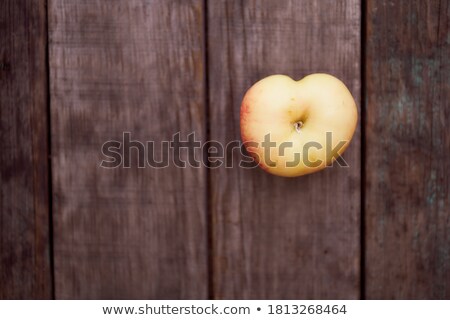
(134,66)
(25,271)
(276,237)
(407,169)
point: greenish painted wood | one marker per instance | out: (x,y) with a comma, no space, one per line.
(407,150)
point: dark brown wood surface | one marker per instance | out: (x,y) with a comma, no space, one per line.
(133,66)
(407,150)
(277,237)
(25,271)
(153,68)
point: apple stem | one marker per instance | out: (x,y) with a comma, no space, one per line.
(298,126)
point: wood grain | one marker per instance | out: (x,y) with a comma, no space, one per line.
(407,189)
(276,237)
(126,66)
(25,271)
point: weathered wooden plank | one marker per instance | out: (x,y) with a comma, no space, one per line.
(25,271)
(275,237)
(134,66)
(407,189)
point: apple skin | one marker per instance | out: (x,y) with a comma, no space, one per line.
(278,105)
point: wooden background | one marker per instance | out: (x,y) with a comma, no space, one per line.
(76,73)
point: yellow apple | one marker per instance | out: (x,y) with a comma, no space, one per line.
(293,128)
